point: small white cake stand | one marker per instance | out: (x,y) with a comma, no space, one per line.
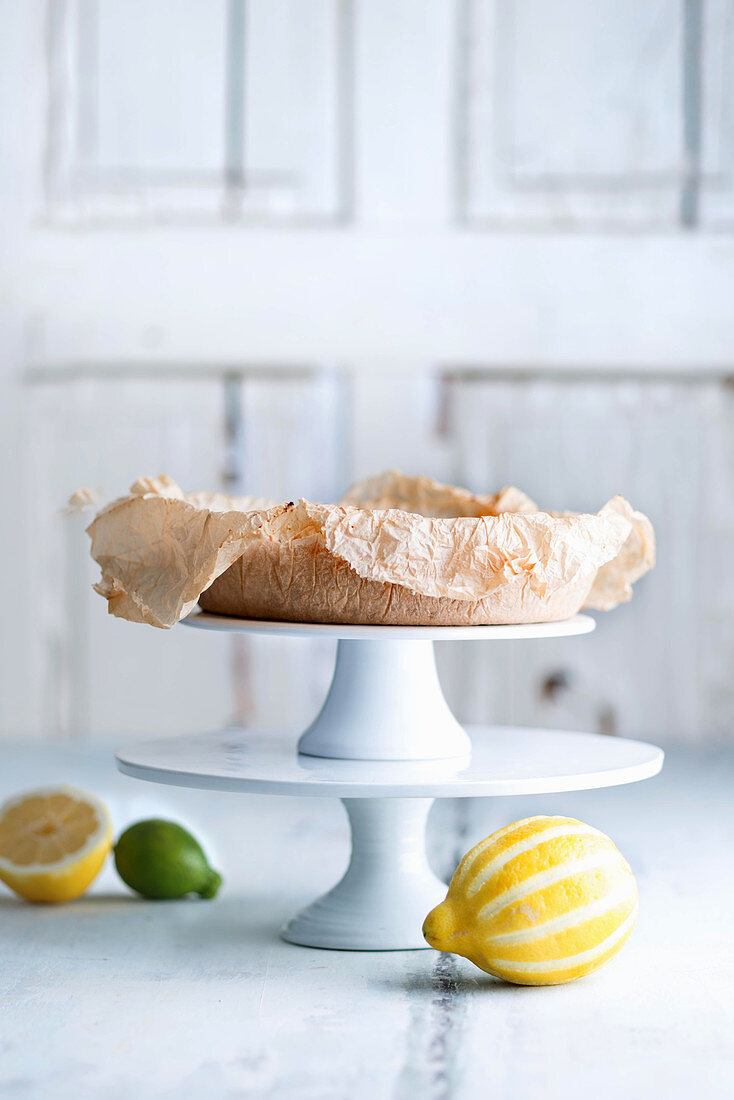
(386,743)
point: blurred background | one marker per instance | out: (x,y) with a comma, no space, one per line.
(270,246)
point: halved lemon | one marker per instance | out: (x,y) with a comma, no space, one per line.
(53,843)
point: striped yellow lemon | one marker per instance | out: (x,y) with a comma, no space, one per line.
(53,843)
(543,901)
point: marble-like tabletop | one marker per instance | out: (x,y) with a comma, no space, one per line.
(114,997)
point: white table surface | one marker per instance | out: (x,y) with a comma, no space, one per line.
(117,997)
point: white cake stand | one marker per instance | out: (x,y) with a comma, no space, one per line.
(386,743)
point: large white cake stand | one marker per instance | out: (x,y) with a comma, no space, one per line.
(386,743)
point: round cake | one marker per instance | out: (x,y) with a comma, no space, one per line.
(395,551)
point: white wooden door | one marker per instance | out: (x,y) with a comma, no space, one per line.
(377,193)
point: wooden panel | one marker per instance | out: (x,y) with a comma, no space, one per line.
(294,88)
(573,111)
(716,203)
(293,436)
(189,109)
(655,666)
(152,88)
(588,90)
(404,110)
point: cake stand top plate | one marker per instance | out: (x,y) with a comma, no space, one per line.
(504,761)
(579,624)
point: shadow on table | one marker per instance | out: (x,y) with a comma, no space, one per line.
(236,921)
(86,905)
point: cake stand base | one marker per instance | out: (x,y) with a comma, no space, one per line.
(382,900)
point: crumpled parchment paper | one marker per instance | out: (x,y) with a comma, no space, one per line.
(159,548)
(429,498)
(491,559)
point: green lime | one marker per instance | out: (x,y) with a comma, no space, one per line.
(160,859)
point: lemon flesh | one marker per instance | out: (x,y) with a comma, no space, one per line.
(543,901)
(53,843)
(161,860)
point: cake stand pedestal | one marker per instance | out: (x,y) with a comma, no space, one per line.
(386,743)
